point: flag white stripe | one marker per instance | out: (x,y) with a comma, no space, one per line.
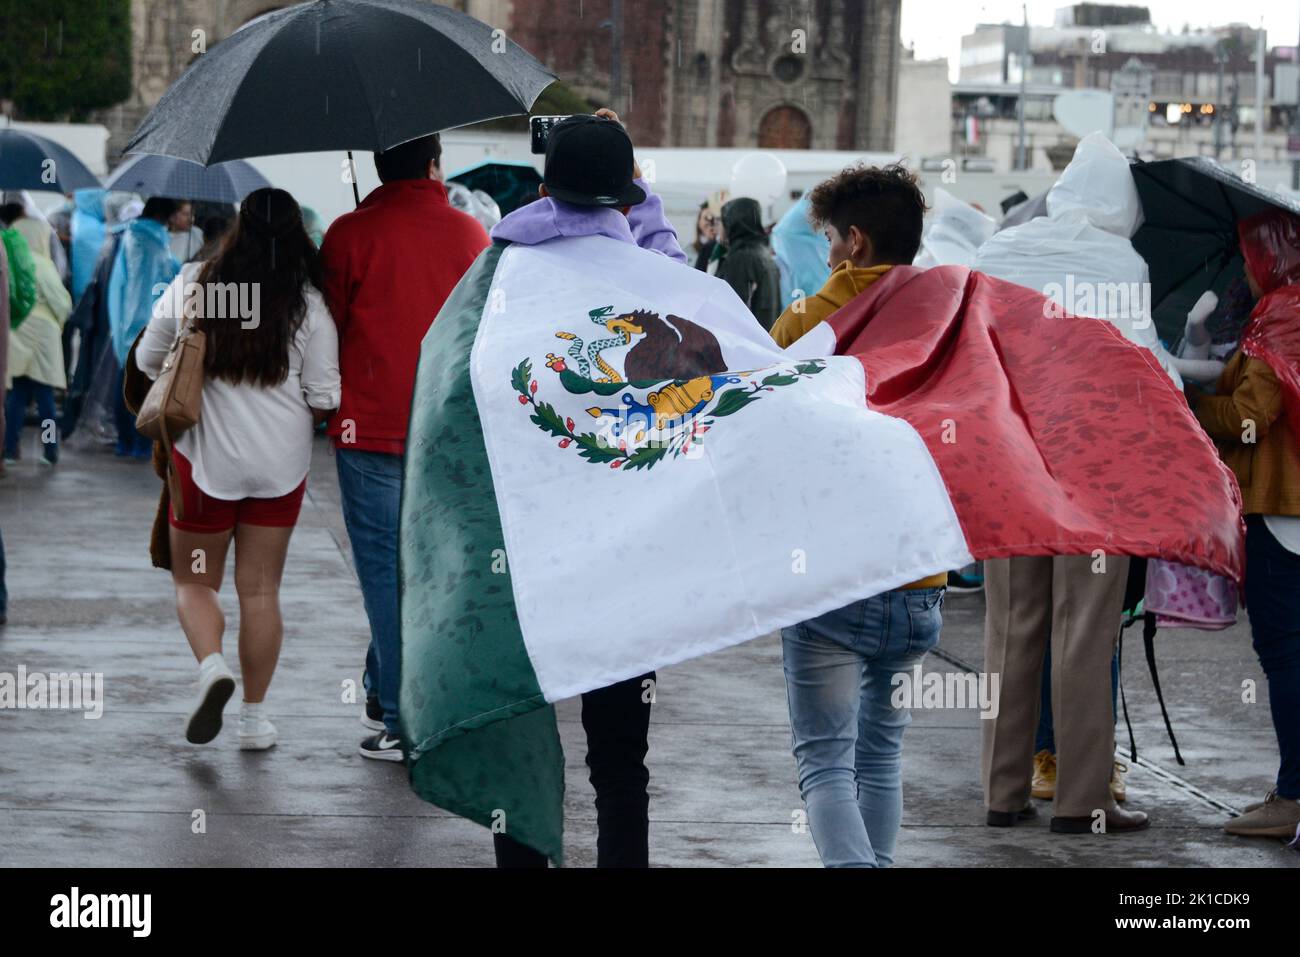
(797,504)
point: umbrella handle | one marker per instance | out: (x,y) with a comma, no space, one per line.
(352,169)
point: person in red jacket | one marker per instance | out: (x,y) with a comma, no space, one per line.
(389,266)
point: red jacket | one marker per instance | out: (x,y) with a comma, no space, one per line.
(389,266)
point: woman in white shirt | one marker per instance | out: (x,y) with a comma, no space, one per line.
(272,374)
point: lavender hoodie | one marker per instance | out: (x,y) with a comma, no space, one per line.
(549,218)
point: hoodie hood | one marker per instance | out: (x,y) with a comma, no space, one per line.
(742,221)
(1097,188)
(90,202)
(550,218)
(1270,245)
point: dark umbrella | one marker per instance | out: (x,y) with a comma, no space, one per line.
(173,178)
(1188,237)
(511,185)
(28,161)
(340,75)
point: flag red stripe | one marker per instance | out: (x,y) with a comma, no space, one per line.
(1053,435)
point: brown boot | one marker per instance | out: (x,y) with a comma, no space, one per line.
(1256,805)
(1118,789)
(1044,782)
(1117,821)
(1276,817)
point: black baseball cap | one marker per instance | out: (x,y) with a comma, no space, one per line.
(589,163)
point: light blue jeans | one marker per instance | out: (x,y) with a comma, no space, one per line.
(370,484)
(848,736)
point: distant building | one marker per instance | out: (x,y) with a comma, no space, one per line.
(816,74)
(1187,80)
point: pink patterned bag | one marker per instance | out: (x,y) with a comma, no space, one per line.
(1181,596)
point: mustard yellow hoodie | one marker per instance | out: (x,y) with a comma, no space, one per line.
(845,282)
(801,316)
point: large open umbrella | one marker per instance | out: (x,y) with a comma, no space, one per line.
(173,178)
(511,184)
(28,161)
(340,75)
(1188,236)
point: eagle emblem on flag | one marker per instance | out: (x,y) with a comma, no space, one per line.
(669,391)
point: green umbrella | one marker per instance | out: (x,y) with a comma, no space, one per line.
(511,184)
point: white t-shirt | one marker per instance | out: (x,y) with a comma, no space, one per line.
(252,441)
(1286,529)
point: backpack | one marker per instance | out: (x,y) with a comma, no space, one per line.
(22,276)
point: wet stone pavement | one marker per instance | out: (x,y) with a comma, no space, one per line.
(127,790)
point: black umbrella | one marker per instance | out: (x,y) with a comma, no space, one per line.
(340,75)
(28,161)
(1188,237)
(173,178)
(511,185)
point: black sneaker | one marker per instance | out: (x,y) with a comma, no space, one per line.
(382,747)
(373,718)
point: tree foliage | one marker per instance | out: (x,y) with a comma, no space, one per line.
(61,59)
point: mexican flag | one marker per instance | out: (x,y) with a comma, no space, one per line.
(611,468)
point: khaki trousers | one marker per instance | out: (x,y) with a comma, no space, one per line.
(1065,600)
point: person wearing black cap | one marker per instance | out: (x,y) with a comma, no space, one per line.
(590,169)
(592,186)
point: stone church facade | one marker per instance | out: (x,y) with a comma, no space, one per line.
(819,74)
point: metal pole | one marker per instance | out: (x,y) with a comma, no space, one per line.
(1260,115)
(616,56)
(1295,130)
(352,174)
(1220,55)
(1024,72)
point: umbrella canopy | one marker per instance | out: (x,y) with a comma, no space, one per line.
(28,161)
(1188,237)
(511,184)
(173,178)
(340,75)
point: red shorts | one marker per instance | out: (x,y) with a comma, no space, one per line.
(209,515)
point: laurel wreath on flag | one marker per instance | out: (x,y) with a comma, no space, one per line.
(595,448)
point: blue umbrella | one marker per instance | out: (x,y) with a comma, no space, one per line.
(175,178)
(28,161)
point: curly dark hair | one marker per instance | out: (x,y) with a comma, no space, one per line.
(884,202)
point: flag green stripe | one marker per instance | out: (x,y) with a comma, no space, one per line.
(484,742)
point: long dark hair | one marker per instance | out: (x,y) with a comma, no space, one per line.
(267,246)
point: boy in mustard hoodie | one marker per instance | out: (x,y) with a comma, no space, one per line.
(848,734)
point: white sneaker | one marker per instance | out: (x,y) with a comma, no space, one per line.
(216,685)
(256,733)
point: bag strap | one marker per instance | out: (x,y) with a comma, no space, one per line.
(1123,698)
(1148,639)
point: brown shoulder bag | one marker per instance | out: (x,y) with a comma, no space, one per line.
(174,401)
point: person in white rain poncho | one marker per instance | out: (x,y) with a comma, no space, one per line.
(1079,254)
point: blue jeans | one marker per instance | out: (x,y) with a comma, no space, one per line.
(1273,603)
(4,592)
(848,736)
(371,488)
(1045,736)
(129,441)
(20,397)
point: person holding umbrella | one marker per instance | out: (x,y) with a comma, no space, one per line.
(1254,418)
(389,267)
(390,264)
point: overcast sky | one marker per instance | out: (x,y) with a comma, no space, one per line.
(935,27)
